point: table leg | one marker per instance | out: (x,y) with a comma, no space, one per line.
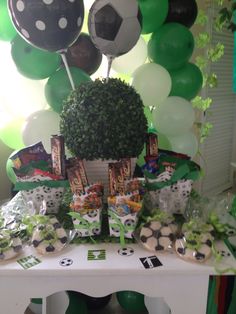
(184,295)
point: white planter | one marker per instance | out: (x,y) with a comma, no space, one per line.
(97,170)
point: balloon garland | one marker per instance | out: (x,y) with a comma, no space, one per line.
(166,83)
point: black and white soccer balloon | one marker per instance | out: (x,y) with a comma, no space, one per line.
(115,25)
(51,25)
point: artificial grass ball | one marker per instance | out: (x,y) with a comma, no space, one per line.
(104,120)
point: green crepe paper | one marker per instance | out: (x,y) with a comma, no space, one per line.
(19,186)
(178,163)
(183,172)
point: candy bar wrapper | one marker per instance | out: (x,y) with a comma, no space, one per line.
(75,180)
(95,187)
(33,153)
(87,223)
(122,226)
(52,196)
(126,168)
(77,163)
(58,156)
(116,178)
(135,184)
(124,204)
(86,201)
(152,145)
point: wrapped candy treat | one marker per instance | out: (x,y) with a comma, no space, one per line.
(195,242)
(49,236)
(220,211)
(158,233)
(172,186)
(10,245)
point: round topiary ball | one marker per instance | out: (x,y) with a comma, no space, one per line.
(104,119)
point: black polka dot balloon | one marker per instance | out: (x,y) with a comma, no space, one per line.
(52,25)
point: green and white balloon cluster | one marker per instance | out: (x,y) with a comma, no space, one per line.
(156,64)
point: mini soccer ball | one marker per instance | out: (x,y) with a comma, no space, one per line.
(66,262)
(126,251)
(114,25)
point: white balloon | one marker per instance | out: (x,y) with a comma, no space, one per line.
(133,59)
(152,82)
(186,143)
(174,116)
(40,126)
(19,96)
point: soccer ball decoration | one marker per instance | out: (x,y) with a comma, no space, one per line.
(157,236)
(126,251)
(194,246)
(114,25)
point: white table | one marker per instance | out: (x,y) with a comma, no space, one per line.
(183,285)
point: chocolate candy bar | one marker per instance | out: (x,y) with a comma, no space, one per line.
(116,178)
(126,168)
(152,145)
(78,163)
(58,155)
(75,180)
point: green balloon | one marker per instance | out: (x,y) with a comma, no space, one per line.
(154,13)
(32,62)
(131,301)
(11,136)
(9,170)
(186,81)
(58,86)
(7,30)
(171,46)
(141,161)
(77,305)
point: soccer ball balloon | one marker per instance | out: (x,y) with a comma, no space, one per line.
(114,25)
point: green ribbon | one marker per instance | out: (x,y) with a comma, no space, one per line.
(218,258)
(30,222)
(160,216)
(118,224)
(183,172)
(84,224)
(195,225)
(19,186)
